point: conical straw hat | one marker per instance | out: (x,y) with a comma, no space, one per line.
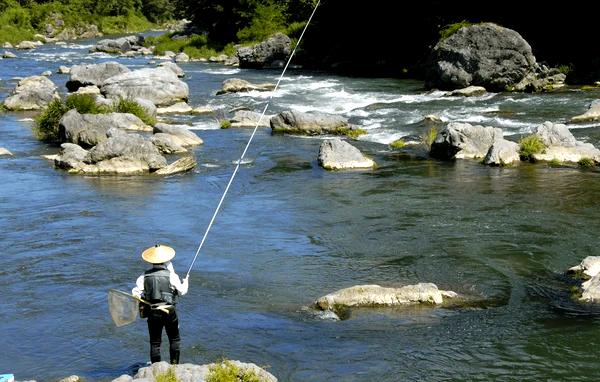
(158,254)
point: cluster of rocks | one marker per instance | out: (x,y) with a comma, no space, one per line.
(128,45)
(589,272)
(462,140)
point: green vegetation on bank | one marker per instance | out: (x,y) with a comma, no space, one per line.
(21,20)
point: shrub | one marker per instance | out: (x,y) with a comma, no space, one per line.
(46,124)
(398,144)
(529,146)
(227,371)
(267,19)
(167,376)
(554,163)
(565,69)
(130,106)
(450,29)
(586,163)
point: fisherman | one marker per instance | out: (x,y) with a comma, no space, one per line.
(161,287)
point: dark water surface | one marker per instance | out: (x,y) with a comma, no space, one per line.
(290,232)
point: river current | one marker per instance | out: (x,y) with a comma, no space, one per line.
(290,232)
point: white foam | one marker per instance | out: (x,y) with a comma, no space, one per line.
(205,125)
(25,120)
(224,71)
(383,137)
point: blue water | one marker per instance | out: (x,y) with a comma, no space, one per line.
(290,232)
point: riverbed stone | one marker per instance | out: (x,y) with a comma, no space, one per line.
(336,154)
(247,118)
(236,85)
(484,54)
(26,45)
(376,295)
(32,93)
(463,140)
(310,123)
(502,153)
(183,135)
(592,114)
(94,74)
(159,85)
(188,372)
(181,165)
(4,151)
(173,67)
(167,143)
(561,145)
(589,266)
(176,108)
(275,48)
(469,91)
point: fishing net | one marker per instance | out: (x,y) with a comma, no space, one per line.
(123,307)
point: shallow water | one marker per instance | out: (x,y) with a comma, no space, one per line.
(290,232)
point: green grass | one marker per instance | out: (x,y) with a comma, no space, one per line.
(350,132)
(85,104)
(450,29)
(565,69)
(530,145)
(225,124)
(227,371)
(195,46)
(586,163)
(555,163)
(429,136)
(130,106)
(168,376)
(398,144)
(46,123)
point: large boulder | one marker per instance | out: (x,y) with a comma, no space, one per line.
(485,55)
(375,295)
(93,74)
(592,114)
(247,118)
(311,123)
(188,372)
(180,133)
(588,269)
(88,130)
(268,53)
(32,93)
(335,154)
(159,85)
(119,45)
(561,145)
(462,140)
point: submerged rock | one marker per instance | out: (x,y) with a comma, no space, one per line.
(335,154)
(375,295)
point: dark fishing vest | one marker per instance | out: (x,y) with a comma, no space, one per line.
(157,287)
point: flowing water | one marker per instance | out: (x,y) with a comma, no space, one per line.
(290,232)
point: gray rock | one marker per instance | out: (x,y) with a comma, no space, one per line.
(246,118)
(94,74)
(276,47)
(462,140)
(26,45)
(118,45)
(7,54)
(177,108)
(64,69)
(159,85)
(469,91)
(335,154)
(173,67)
(4,151)
(181,165)
(236,85)
(181,57)
(90,129)
(375,295)
(167,143)
(561,145)
(593,114)
(148,106)
(294,122)
(71,157)
(485,54)
(502,153)
(188,372)
(185,137)
(32,93)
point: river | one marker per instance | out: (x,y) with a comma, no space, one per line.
(290,232)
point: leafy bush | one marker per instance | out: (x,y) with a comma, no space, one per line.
(225,124)
(529,146)
(46,124)
(130,106)
(267,19)
(168,376)
(450,29)
(398,144)
(227,371)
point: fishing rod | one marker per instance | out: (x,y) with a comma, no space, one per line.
(237,166)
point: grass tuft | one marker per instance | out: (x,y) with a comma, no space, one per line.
(450,29)
(46,123)
(429,136)
(586,163)
(167,376)
(225,124)
(227,371)
(398,144)
(530,145)
(126,105)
